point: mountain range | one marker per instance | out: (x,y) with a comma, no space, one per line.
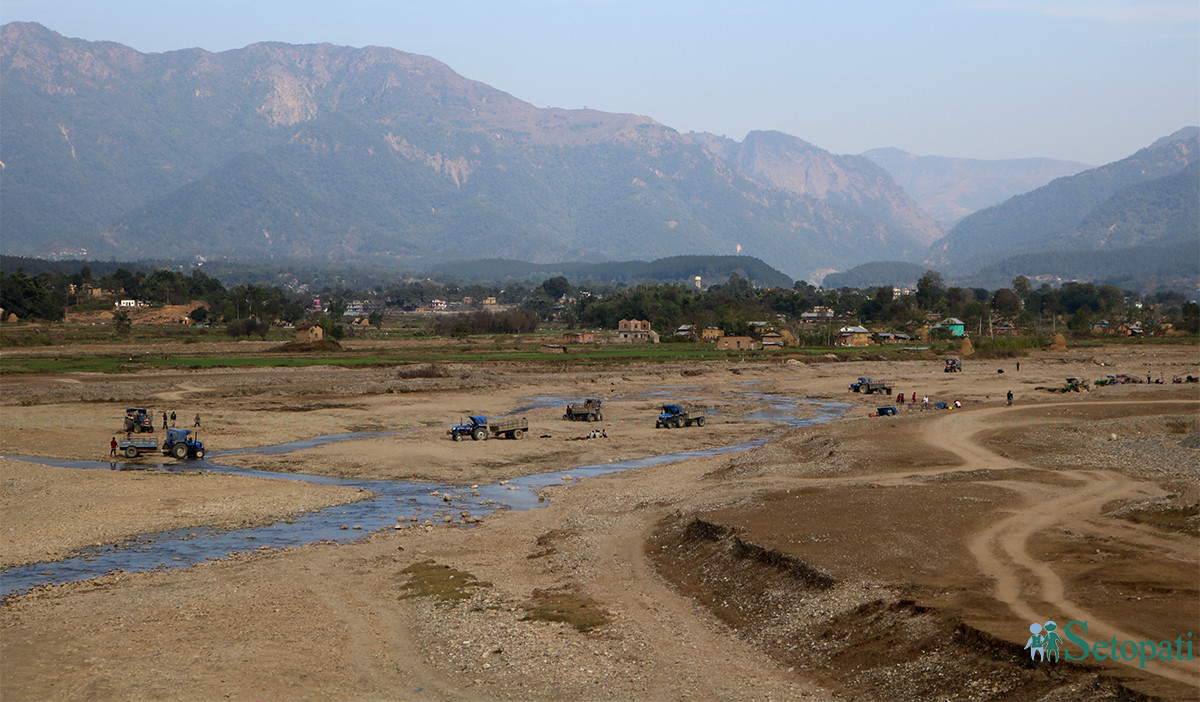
(278,152)
(952,188)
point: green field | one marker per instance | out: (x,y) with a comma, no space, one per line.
(405,346)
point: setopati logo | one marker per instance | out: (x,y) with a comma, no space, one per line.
(1045,642)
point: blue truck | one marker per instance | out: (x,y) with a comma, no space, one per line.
(870,386)
(182,443)
(479,428)
(678,416)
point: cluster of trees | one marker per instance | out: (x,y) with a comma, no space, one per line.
(485,322)
(733,305)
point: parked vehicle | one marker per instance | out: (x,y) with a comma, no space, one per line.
(479,428)
(138,420)
(1074,384)
(869,386)
(589,411)
(182,443)
(677,416)
(953,365)
(133,448)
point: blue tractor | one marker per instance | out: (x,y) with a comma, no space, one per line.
(181,444)
(476,427)
(138,420)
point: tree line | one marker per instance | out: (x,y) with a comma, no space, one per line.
(733,306)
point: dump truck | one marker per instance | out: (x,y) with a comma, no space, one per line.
(133,448)
(589,411)
(869,386)
(182,443)
(677,416)
(138,420)
(479,428)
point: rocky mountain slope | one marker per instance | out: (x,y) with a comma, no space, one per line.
(1147,199)
(334,153)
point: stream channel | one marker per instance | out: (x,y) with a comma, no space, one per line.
(395,502)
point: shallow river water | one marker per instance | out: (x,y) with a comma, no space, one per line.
(395,502)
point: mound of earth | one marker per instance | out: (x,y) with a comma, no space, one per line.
(309,346)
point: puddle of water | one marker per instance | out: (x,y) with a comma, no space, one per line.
(395,502)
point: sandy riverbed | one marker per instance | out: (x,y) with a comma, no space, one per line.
(920,524)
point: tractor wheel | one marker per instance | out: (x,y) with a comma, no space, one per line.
(699,421)
(518,434)
(179,451)
(599,417)
(457,437)
(567,417)
(658,425)
(131,452)
(199,454)
(678,423)
(479,434)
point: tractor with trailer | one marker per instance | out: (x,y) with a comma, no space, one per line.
(479,428)
(133,448)
(868,386)
(589,411)
(678,416)
(138,420)
(182,443)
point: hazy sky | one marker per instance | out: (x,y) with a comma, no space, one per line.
(1085,80)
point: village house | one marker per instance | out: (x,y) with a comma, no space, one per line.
(772,341)
(636,330)
(853,336)
(736,343)
(955,326)
(817,313)
(1129,329)
(579,338)
(711,334)
(686,330)
(306,333)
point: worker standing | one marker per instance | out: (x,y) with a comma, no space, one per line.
(112,447)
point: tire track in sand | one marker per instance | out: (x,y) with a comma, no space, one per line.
(1001,551)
